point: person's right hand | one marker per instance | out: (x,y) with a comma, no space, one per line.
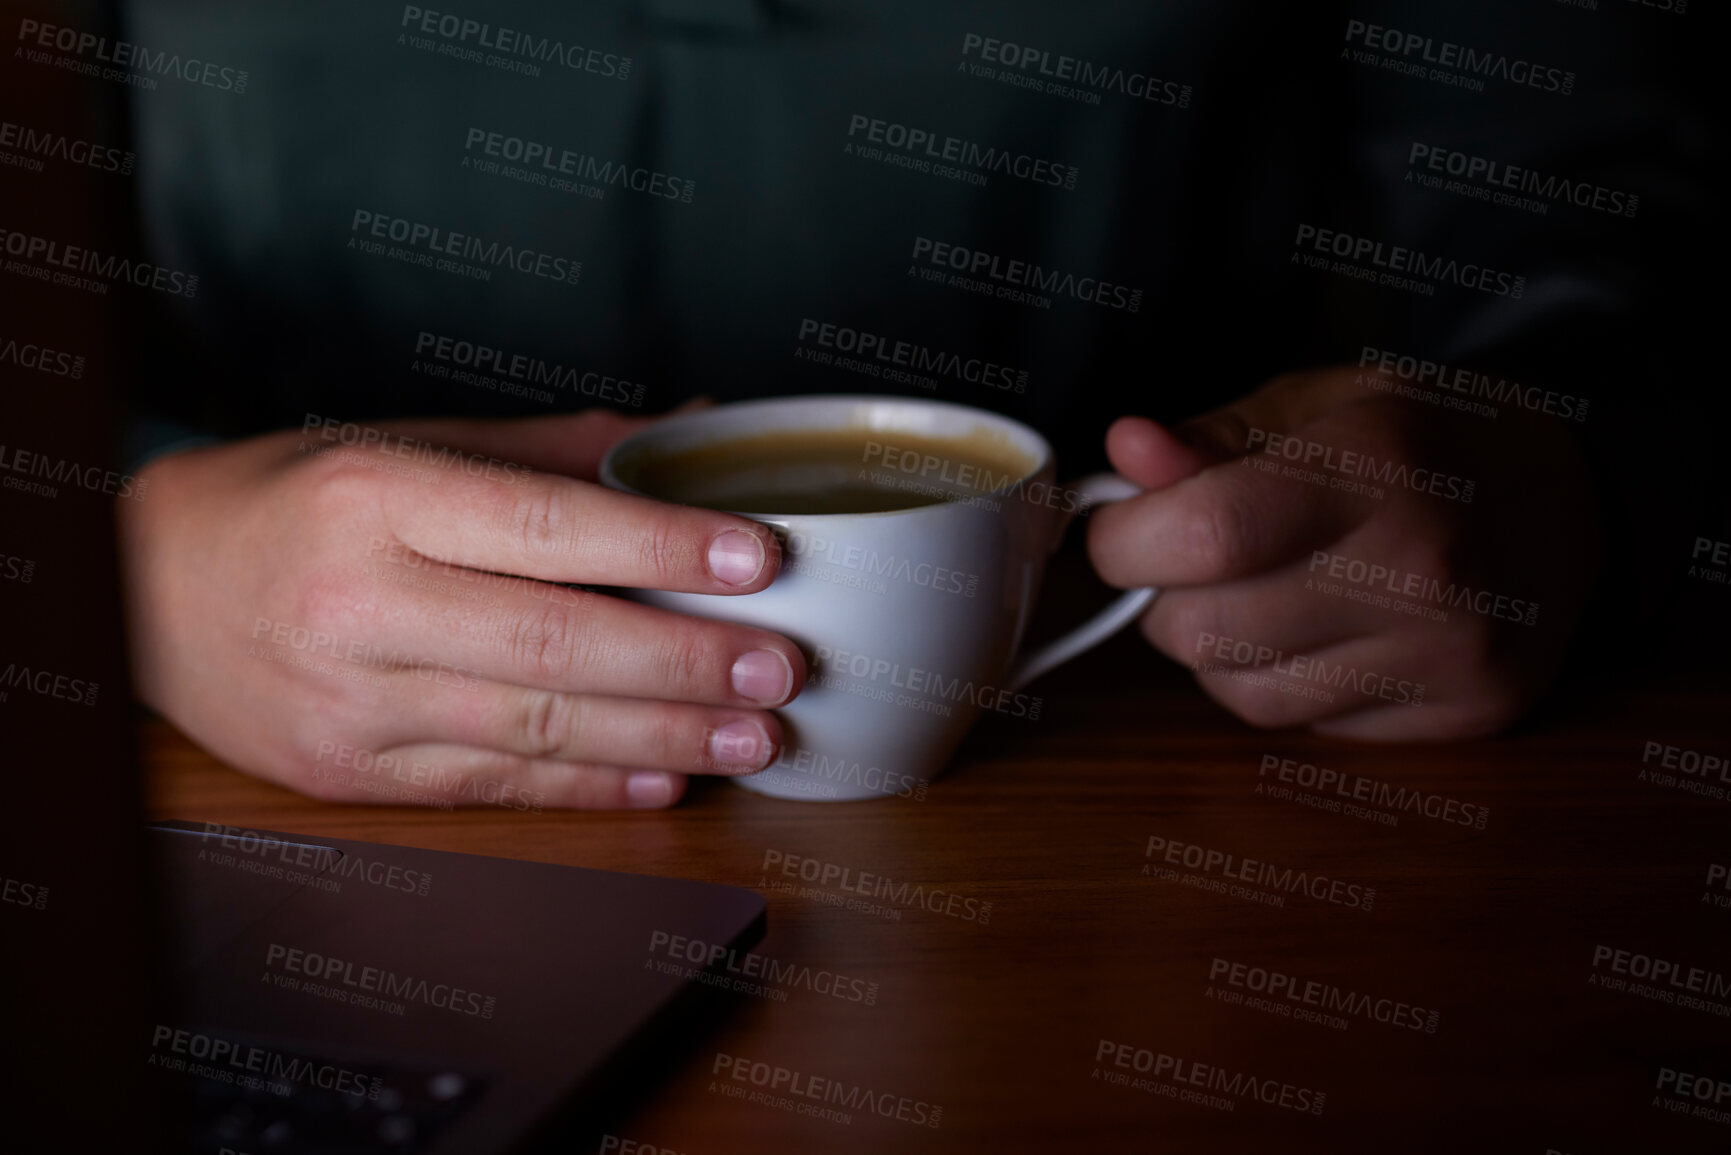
(332,617)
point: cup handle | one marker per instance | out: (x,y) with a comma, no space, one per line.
(1095,489)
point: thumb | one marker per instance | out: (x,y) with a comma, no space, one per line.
(1282,405)
(1150,455)
(597,430)
(575,443)
(692,405)
(572,444)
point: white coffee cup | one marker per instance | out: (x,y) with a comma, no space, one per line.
(911,619)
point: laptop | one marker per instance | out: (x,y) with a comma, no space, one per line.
(334,996)
(178,987)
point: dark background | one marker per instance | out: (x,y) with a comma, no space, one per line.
(1198,206)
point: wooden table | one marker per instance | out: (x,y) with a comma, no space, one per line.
(1027,1024)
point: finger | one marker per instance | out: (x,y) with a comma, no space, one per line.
(1271,612)
(1435,722)
(557,529)
(1146,453)
(577,642)
(569,444)
(1154,455)
(1305,688)
(1460,698)
(445,775)
(1229,521)
(1285,403)
(551,726)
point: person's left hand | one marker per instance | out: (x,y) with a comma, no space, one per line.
(1439,609)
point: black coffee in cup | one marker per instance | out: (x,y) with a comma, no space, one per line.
(830,471)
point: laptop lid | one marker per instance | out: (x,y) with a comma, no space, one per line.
(435,1001)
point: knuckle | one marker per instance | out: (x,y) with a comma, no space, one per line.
(543,642)
(334,599)
(337,485)
(676,740)
(1229,432)
(1111,537)
(1380,430)
(324,714)
(1156,630)
(321,780)
(1214,535)
(544,519)
(1264,709)
(324,787)
(1179,624)
(602,419)
(1429,557)
(664,552)
(1224,432)
(686,658)
(595,787)
(1468,652)
(1489,715)
(1478,641)
(549,722)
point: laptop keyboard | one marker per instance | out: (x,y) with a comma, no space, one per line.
(296,1101)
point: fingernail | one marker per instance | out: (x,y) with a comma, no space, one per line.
(649,788)
(736,557)
(741,744)
(763,676)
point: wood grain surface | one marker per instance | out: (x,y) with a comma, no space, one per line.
(1474,996)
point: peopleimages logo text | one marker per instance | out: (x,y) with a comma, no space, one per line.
(968,153)
(826,769)
(1461,58)
(1456,595)
(221,1054)
(578,165)
(1470,382)
(380,981)
(526,46)
(485,359)
(49,684)
(1309,992)
(1658,970)
(40,358)
(911,355)
(1071,70)
(1015,278)
(435,240)
(1353,463)
(1189,1072)
(79,259)
(751,965)
(1255,658)
(1258,873)
(1398,259)
(31,895)
(125,54)
(926,689)
(263,852)
(935,899)
(818,1089)
(93,478)
(1359,788)
(56,146)
(1495,174)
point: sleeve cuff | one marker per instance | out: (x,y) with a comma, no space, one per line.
(149,438)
